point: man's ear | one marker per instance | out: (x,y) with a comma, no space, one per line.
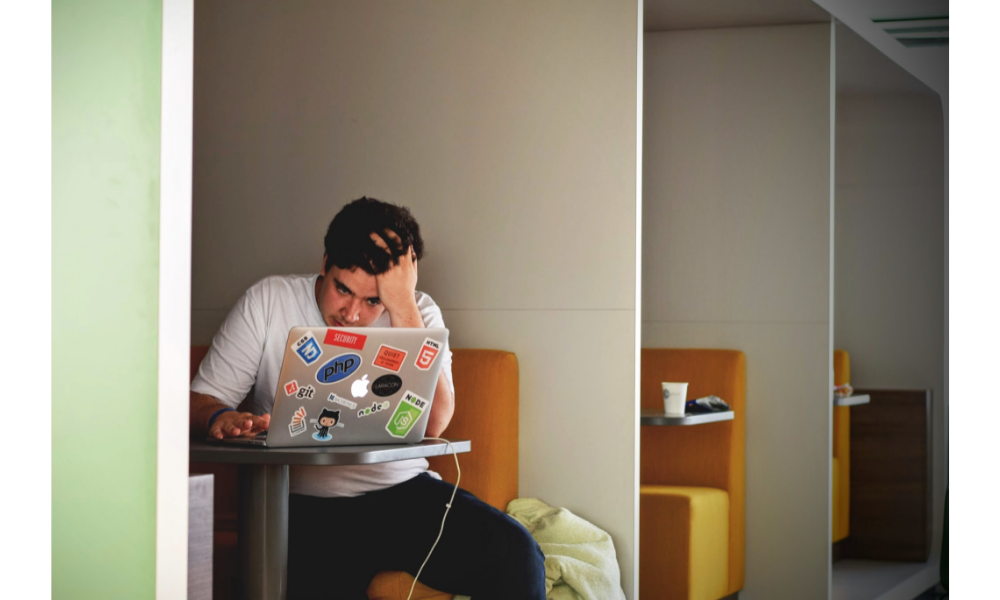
(322,270)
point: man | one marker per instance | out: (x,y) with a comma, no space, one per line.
(348,523)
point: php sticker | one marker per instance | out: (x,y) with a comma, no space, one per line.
(305,393)
(307,348)
(386,385)
(291,387)
(298,424)
(354,341)
(389,358)
(338,367)
(428,352)
(406,416)
(342,401)
(374,408)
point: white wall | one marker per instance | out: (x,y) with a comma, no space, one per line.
(510,131)
(890,250)
(736,254)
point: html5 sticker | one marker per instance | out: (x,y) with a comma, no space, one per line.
(389,358)
(291,387)
(428,352)
(354,341)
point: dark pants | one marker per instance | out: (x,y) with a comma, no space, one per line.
(337,545)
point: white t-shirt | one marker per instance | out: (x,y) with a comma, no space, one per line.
(245,358)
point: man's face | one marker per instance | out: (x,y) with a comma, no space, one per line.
(348,298)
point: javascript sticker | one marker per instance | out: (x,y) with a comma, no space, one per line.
(408,412)
(389,358)
(428,352)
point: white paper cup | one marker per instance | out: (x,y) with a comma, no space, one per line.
(674,397)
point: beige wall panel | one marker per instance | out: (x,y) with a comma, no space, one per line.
(788,414)
(736,135)
(509,128)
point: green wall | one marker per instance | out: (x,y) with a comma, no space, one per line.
(105,267)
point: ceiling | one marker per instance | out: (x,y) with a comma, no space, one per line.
(669,15)
(863,69)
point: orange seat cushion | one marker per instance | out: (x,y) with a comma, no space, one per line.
(395,585)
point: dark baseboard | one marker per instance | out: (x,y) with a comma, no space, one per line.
(733,596)
(837,550)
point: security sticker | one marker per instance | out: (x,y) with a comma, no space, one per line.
(305,393)
(428,352)
(338,367)
(389,358)
(327,420)
(354,341)
(342,401)
(298,424)
(407,414)
(307,348)
(374,408)
(291,387)
(386,385)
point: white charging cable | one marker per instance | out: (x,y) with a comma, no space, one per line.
(447,508)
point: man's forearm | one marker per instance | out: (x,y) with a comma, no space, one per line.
(408,316)
(442,409)
(202,408)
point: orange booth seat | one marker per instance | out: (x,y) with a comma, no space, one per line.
(692,507)
(841,452)
(486,412)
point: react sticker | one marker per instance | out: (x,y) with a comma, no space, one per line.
(291,387)
(298,424)
(342,401)
(339,367)
(389,358)
(305,393)
(406,416)
(428,352)
(386,385)
(374,408)
(307,348)
(354,341)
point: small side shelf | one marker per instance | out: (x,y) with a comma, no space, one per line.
(852,400)
(658,417)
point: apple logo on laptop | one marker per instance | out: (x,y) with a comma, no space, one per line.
(359,389)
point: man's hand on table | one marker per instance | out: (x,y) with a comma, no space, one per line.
(238,424)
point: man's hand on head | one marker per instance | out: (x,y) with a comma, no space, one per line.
(238,424)
(397,286)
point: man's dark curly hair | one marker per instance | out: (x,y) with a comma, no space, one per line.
(348,242)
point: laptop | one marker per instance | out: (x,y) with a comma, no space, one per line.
(352,386)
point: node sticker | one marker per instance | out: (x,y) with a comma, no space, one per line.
(386,385)
(307,348)
(298,424)
(342,401)
(291,387)
(389,358)
(338,367)
(374,408)
(354,341)
(428,352)
(305,393)
(406,416)
(328,419)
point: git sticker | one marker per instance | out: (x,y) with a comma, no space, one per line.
(305,393)
(406,416)
(354,341)
(291,387)
(374,408)
(298,424)
(428,352)
(389,358)
(307,348)
(342,401)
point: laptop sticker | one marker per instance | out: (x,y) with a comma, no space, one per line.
(354,341)
(305,393)
(359,389)
(298,424)
(327,420)
(428,352)
(386,385)
(291,387)
(389,358)
(342,401)
(307,348)
(338,368)
(374,408)
(406,416)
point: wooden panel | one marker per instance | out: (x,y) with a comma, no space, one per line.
(200,494)
(891,477)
